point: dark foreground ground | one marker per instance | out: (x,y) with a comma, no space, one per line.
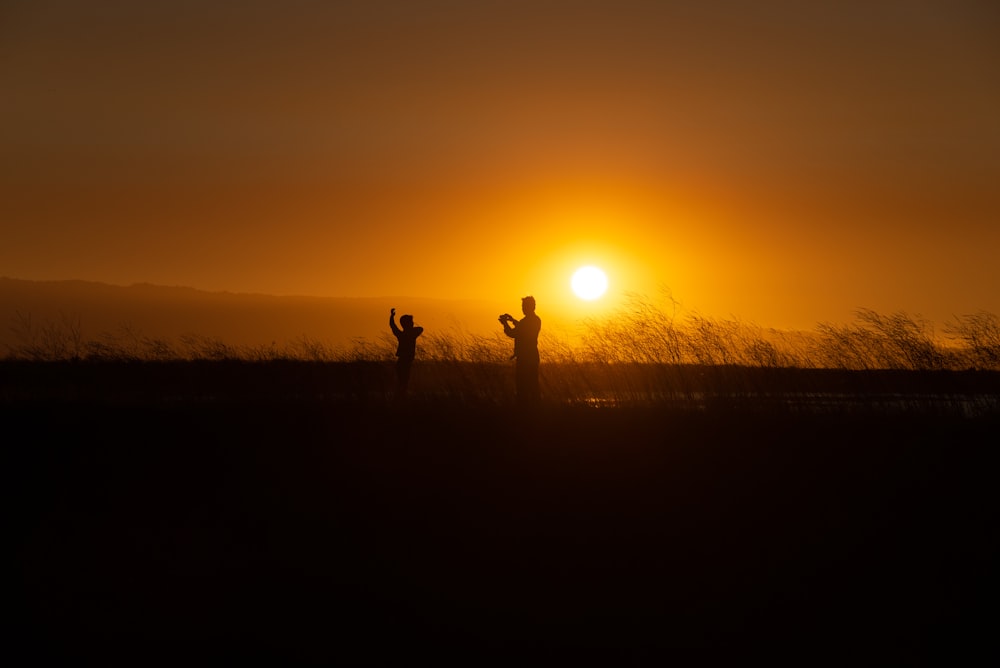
(346,533)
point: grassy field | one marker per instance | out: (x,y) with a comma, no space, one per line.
(293,511)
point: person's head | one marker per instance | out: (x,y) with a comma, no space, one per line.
(406,321)
(527,305)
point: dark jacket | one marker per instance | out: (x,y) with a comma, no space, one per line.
(407,348)
(525,335)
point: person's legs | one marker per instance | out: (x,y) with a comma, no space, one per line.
(526,376)
(402,376)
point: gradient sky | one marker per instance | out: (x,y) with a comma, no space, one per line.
(782,162)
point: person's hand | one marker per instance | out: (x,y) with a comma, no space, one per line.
(392,311)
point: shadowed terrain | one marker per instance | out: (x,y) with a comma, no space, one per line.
(170,526)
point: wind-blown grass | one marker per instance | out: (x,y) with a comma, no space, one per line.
(644,354)
(642,332)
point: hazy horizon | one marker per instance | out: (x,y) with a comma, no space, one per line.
(239,318)
(184,317)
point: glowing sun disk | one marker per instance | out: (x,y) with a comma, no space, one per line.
(589,283)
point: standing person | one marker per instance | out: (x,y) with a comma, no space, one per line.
(406,350)
(525,335)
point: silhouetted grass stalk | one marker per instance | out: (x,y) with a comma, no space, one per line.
(640,333)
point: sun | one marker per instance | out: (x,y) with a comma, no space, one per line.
(589,283)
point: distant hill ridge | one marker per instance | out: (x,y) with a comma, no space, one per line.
(170,312)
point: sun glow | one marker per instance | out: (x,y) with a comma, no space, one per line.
(589,283)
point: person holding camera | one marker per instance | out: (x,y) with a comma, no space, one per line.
(525,335)
(406,350)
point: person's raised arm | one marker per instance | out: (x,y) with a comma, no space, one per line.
(392,323)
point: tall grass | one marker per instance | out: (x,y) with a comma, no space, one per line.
(642,332)
(979,337)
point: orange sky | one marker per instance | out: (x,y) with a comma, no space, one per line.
(781,162)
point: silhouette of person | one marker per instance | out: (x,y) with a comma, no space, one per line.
(525,335)
(406,350)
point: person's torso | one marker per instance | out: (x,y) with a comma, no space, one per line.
(407,347)
(526,338)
